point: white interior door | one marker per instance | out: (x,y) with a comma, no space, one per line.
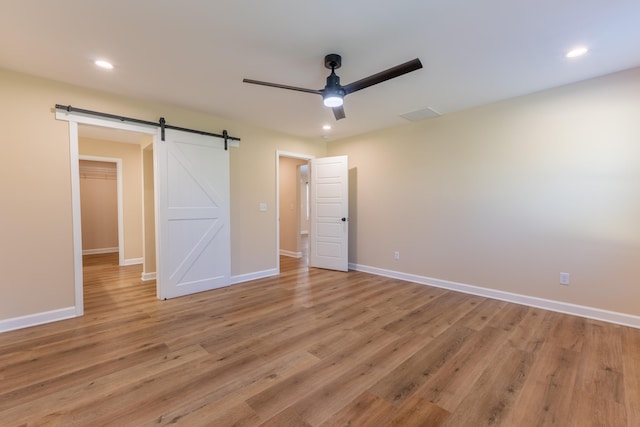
(192,236)
(329,206)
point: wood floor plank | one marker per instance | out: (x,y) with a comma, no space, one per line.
(546,396)
(365,410)
(447,314)
(631,370)
(567,331)
(599,386)
(164,391)
(86,352)
(403,381)
(240,415)
(286,393)
(28,344)
(418,412)
(312,347)
(601,367)
(435,316)
(304,336)
(530,334)
(285,419)
(590,411)
(408,297)
(332,397)
(214,399)
(455,380)
(509,317)
(482,314)
(42,387)
(495,391)
(61,406)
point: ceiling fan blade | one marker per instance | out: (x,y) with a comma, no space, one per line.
(338,112)
(299,89)
(382,76)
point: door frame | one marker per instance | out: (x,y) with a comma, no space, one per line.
(119,202)
(74,163)
(288,154)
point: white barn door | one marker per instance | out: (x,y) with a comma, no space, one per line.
(192,223)
(329,209)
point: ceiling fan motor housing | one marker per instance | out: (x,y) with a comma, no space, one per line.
(333,83)
(333,87)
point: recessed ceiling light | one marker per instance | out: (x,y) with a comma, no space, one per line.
(575,52)
(104,64)
(326,127)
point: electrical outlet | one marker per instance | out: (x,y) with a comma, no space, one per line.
(396,255)
(565,278)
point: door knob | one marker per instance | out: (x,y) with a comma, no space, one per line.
(343,219)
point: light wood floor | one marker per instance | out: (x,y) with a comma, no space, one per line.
(314,348)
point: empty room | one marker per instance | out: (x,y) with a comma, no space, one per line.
(418,213)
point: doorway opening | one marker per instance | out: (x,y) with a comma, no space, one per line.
(292,207)
(113,171)
(101,206)
(105,138)
(128,150)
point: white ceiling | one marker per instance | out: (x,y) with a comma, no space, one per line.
(195,53)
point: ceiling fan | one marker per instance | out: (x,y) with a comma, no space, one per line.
(333,93)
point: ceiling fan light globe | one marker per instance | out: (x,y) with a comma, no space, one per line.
(333,101)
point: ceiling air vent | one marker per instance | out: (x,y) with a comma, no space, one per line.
(425,113)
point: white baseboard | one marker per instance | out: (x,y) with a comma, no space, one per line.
(253,276)
(290,254)
(133,261)
(37,319)
(148,276)
(558,306)
(99,251)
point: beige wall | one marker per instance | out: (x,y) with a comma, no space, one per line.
(509,195)
(503,196)
(36,145)
(303,187)
(253,181)
(149,264)
(289,204)
(99,205)
(131,187)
